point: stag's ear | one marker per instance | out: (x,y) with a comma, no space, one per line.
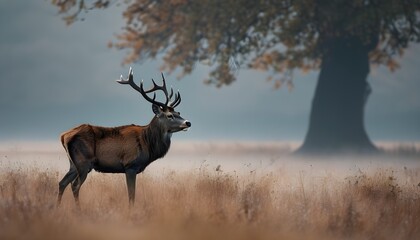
(156,109)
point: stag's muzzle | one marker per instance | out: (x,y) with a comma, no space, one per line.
(187,125)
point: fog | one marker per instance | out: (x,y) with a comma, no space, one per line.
(240,158)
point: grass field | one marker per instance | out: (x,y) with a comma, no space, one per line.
(273,197)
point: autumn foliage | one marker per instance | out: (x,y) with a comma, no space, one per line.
(279,36)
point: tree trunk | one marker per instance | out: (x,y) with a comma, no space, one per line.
(337,115)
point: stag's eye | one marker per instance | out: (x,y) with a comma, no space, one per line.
(171,117)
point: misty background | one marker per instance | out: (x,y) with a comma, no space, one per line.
(54,77)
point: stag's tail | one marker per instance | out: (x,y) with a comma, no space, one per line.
(78,135)
(66,138)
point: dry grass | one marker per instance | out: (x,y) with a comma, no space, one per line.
(214,205)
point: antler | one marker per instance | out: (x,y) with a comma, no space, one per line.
(155,88)
(177,100)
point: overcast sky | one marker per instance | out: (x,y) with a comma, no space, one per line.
(54,77)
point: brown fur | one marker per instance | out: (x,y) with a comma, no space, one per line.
(125,149)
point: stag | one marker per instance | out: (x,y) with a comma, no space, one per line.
(125,149)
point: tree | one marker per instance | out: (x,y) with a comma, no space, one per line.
(342,38)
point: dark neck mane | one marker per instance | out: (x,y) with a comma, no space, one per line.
(158,139)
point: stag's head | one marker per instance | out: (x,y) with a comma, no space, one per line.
(165,111)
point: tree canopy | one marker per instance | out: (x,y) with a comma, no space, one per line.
(277,36)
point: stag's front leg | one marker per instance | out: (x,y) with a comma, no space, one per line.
(130,176)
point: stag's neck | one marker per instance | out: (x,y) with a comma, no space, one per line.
(159,139)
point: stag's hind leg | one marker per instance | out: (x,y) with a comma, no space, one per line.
(83,163)
(68,178)
(75,186)
(82,155)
